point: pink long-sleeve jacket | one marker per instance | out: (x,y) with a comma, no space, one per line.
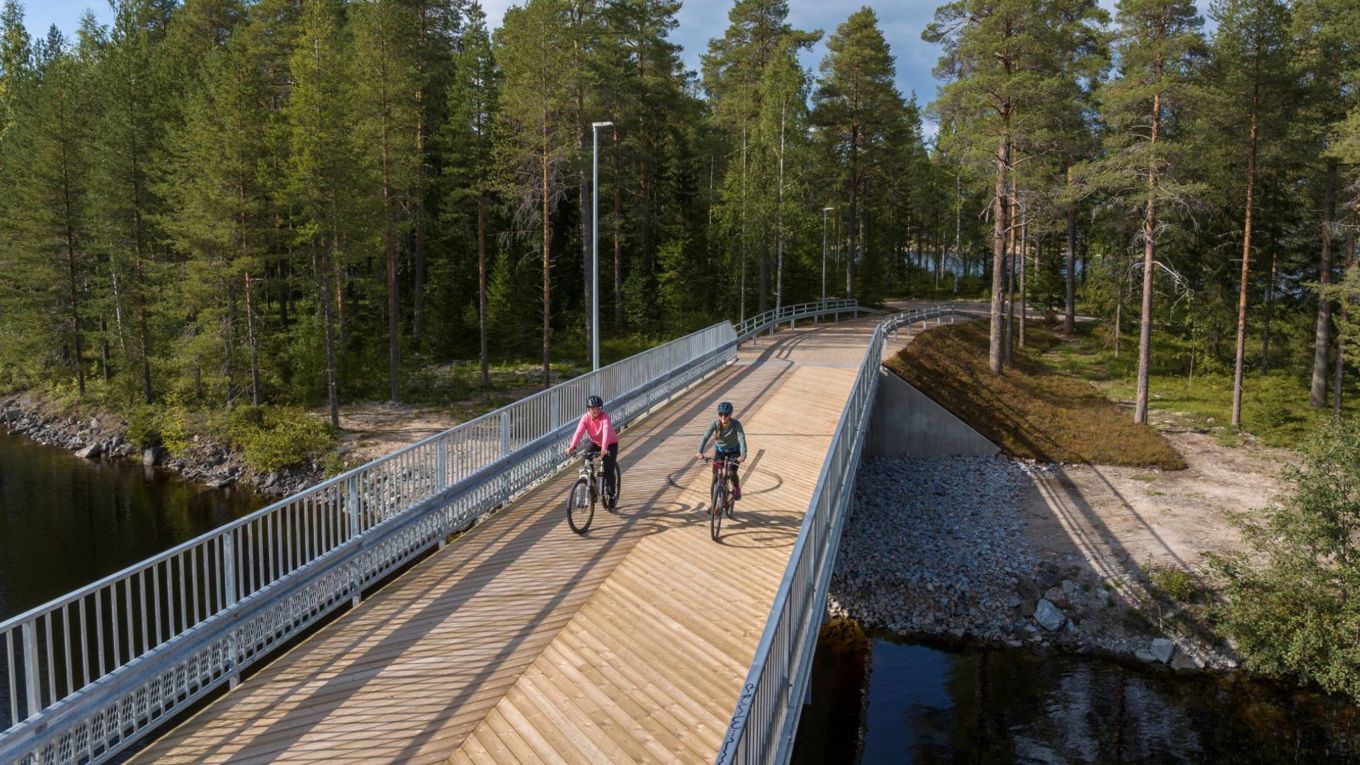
(600,429)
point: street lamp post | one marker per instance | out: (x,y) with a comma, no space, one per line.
(595,244)
(825,210)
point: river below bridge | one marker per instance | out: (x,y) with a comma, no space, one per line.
(877,700)
(66,522)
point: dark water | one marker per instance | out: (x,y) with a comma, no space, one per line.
(927,705)
(67,521)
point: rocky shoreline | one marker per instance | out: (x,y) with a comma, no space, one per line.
(104,436)
(936,549)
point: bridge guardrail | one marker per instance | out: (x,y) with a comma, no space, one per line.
(87,674)
(766,717)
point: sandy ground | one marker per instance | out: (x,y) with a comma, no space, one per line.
(1117,520)
(373,430)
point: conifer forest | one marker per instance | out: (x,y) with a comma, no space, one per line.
(310,202)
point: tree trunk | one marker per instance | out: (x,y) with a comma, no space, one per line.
(485,355)
(1140,404)
(1317,394)
(1341,338)
(618,241)
(229,343)
(1070,317)
(324,275)
(547,273)
(995,355)
(1246,268)
(252,341)
(390,250)
(1024,301)
(1270,308)
(68,215)
(1009,345)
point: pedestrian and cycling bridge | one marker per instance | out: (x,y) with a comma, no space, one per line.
(433,606)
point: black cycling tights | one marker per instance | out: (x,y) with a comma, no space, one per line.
(611,461)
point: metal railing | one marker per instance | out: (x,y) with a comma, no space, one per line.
(766,717)
(790,314)
(87,674)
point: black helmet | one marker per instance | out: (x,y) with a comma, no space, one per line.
(725,407)
(594,401)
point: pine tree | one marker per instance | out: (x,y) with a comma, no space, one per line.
(322,161)
(855,106)
(538,128)
(468,145)
(51,253)
(1157,42)
(1251,80)
(386,113)
(218,203)
(131,114)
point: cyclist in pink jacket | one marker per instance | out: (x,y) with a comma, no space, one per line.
(596,424)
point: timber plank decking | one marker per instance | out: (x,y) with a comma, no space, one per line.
(523,642)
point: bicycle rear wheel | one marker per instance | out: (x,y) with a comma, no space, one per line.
(715,508)
(580,507)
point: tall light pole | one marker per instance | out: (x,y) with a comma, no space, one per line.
(825,210)
(595,243)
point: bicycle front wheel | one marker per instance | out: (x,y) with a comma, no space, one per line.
(715,508)
(580,506)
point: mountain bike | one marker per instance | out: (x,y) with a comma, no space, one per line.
(587,490)
(720,495)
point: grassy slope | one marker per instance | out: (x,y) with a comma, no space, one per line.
(1032,410)
(1274,406)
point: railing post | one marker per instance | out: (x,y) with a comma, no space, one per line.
(352,506)
(505,452)
(31,680)
(229,579)
(441,482)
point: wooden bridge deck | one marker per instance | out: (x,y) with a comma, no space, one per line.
(523,642)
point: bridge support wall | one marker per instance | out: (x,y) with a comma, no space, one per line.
(907,423)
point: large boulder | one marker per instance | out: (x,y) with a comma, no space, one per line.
(90,452)
(1049,616)
(1162,649)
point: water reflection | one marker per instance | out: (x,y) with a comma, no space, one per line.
(927,705)
(66,522)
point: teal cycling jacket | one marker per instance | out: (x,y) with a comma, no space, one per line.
(729,439)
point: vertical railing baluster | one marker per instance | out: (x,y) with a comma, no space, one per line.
(229,578)
(32,690)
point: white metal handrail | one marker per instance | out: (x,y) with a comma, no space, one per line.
(766,717)
(769,320)
(88,673)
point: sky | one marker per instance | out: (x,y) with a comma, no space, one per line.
(700,20)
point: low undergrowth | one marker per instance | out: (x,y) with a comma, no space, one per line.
(1032,410)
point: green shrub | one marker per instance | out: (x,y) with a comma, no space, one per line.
(1175,583)
(285,437)
(1291,600)
(144,426)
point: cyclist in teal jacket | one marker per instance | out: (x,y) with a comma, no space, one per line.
(729,443)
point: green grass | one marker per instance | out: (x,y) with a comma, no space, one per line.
(1033,410)
(1274,406)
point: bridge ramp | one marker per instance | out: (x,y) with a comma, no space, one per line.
(523,642)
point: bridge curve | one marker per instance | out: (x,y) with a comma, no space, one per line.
(523,642)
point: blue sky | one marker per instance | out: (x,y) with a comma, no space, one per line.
(700,20)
